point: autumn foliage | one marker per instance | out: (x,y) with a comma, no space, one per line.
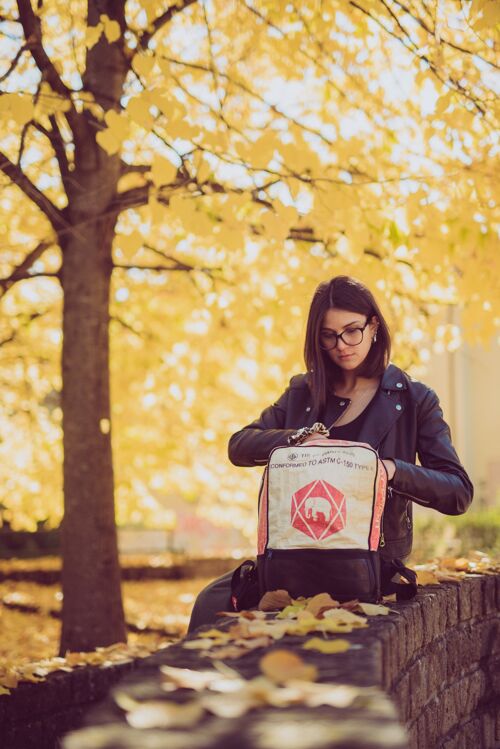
(177,177)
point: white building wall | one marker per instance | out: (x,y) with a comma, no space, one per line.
(468,384)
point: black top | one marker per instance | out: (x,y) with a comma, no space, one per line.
(349,431)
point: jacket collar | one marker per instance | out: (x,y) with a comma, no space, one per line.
(385,409)
(394,379)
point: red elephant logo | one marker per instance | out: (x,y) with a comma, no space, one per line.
(318,510)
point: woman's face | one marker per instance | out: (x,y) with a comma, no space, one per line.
(347,355)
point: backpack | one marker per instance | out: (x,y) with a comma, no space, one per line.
(321,506)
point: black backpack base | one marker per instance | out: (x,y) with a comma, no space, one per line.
(378,577)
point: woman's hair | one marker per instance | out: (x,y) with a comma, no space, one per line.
(342,292)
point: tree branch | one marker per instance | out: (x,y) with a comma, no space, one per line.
(14,62)
(161,21)
(54,136)
(24,324)
(16,174)
(183,267)
(33,34)
(21,271)
(127,326)
(448,43)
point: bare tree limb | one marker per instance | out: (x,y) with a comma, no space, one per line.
(16,174)
(184,268)
(161,21)
(445,41)
(21,271)
(139,333)
(24,324)
(33,34)
(14,62)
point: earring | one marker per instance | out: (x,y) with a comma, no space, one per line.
(374,339)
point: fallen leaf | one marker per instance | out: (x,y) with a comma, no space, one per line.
(373,609)
(342,616)
(125,701)
(426,577)
(327,646)
(229,706)
(9,679)
(156,714)
(282,665)
(290,612)
(274,600)
(215,634)
(227,651)
(254,643)
(321,602)
(186,678)
(200,644)
(390,598)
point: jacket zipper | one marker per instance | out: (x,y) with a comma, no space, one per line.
(416,499)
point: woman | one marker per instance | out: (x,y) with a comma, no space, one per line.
(351,390)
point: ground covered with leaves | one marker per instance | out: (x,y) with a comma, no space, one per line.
(157,614)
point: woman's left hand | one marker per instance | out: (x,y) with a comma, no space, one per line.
(390,467)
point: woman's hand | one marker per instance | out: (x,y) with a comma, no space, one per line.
(390,468)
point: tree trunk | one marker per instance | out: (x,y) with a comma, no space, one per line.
(92,605)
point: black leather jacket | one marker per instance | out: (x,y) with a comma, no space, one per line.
(404,421)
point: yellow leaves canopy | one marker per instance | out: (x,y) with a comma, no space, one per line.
(261,162)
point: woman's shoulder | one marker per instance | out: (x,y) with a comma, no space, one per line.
(395,378)
(300,381)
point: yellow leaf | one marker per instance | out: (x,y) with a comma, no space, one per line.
(157,714)
(118,123)
(319,602)
(274,600)
(112,29)
(18,107)
(163,172)
(157,210)
(138,110)
(108,141)
(130,243)
(200,644)
(443,103)
(216,634)
(92,35)
(291,612)
(327,646)
(143,64)
(373,609)
(9,680)
(426,577)
(283,665)
(342,616)
(490,15)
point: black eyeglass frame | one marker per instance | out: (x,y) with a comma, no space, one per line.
(340,335)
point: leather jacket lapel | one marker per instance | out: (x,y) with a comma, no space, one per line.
(386,408)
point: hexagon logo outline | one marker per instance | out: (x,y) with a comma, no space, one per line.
(318,510)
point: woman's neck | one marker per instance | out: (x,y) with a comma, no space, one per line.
(352,383)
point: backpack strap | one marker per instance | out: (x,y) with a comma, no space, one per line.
(245,586)
(403,591)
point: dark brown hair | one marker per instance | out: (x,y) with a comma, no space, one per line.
(342,292)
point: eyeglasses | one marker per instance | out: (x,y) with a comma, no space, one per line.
(328,339)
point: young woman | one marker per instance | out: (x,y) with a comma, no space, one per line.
(352,392)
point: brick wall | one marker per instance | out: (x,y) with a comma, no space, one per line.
(442,665)
(434,667)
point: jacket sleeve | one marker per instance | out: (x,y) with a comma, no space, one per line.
(252,445)
(440,481)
